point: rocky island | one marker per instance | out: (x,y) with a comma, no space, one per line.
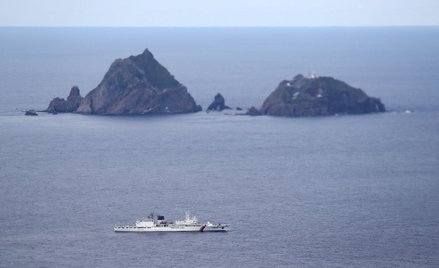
(140,85)
(218,104)
(315,96)
(136,85)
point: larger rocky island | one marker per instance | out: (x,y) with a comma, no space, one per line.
(316,96)
(136,85)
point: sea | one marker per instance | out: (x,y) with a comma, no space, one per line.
(333,191)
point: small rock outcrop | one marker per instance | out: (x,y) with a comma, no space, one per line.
(73,100)
(318,96)
(31,113)
(138,85)
(60,105)
(253,111)
(57,105)
(218,104)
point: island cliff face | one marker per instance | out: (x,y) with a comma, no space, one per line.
(133,86)
(138,85)
(318,96)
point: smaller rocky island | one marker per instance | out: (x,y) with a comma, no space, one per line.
(317,96)
(218,104)
(253,111)
(31,113)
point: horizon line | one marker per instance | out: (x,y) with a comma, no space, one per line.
(192,27)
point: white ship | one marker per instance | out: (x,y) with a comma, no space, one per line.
(157,223)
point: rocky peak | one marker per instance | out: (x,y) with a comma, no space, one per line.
(60,105)
(137,69)
(57,105)
(73,100)
(218,104)
(138,85)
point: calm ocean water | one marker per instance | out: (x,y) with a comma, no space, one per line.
(358,191)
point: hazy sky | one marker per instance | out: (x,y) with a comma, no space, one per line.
(218,12)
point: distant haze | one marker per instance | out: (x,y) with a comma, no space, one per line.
(203,13)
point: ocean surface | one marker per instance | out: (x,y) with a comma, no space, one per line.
(337,191)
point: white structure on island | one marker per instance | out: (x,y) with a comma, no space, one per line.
(313,75)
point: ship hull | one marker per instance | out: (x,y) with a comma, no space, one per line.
(216,229)
(201,228)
